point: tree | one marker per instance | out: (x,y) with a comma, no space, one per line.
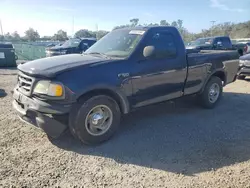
(1,37)
(164,23)
(174,23)
(84,33)
(16,36)
(60,35)
(100,34)
(7,36)
(31,34)
(134,22)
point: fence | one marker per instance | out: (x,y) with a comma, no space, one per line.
(26,51)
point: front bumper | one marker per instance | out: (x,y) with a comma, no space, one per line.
(244,71)
(41,114)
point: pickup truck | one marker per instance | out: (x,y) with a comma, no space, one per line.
(212,43)
(71,46)
(244,67)
(127,69)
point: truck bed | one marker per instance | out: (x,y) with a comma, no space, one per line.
(205,62)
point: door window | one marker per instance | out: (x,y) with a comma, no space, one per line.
(164,44)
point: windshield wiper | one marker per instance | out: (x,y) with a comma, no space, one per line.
(98,53)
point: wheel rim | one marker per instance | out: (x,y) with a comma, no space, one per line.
(214,92)
(99,120)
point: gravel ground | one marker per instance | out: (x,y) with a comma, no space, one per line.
(172,145)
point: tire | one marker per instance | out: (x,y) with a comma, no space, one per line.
(83,128)
(241,77)
(205,96)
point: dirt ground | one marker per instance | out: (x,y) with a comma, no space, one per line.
(169,145)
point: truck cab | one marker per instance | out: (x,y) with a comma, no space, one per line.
(212,43)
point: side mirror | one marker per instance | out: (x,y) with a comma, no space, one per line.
(149,51)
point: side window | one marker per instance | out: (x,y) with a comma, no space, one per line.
(164,44)
(84,45)
(217,40)
(225,42)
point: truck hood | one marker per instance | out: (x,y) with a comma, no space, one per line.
(60,48)
(51,66)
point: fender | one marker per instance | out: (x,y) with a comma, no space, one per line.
(218,72)
(116,91)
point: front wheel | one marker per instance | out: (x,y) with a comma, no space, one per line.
(212,93)
(95,120)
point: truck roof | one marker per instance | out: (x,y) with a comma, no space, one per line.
(145,28)
(215,37)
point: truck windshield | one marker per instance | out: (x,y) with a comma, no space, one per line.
(118,43)
(203,41)
(71,43)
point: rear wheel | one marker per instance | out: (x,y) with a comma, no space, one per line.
(95,120)
(241,77)
(212,93)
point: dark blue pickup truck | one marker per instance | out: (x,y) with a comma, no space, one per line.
(126,69)
(71,46)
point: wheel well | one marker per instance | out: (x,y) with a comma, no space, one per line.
(221,75)
(106,92)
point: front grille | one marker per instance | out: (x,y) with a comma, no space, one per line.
(25,84)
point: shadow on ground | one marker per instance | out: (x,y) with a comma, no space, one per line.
(178,137)
(2,93)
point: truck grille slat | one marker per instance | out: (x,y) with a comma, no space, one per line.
(25,83)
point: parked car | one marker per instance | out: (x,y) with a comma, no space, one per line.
(247,48)
(126,69)
(211,43)
(244,67)
(71,46)
(243,45)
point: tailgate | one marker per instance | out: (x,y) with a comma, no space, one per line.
(231,69)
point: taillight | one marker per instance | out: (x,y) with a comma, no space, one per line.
(246,48)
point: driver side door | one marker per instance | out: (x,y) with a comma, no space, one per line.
(159,79)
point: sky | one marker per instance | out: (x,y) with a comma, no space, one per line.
(48,16)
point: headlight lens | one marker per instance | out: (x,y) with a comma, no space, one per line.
(63,52)
(49,88)
(241,62)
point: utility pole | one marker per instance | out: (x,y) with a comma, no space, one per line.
(96,26)
(1,27)
(212,27)
(73,25)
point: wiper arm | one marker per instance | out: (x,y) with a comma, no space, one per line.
(98,53)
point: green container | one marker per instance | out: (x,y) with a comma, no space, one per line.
(7,55)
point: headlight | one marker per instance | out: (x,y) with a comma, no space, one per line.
(241,62)
(49,88)
(63,52)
